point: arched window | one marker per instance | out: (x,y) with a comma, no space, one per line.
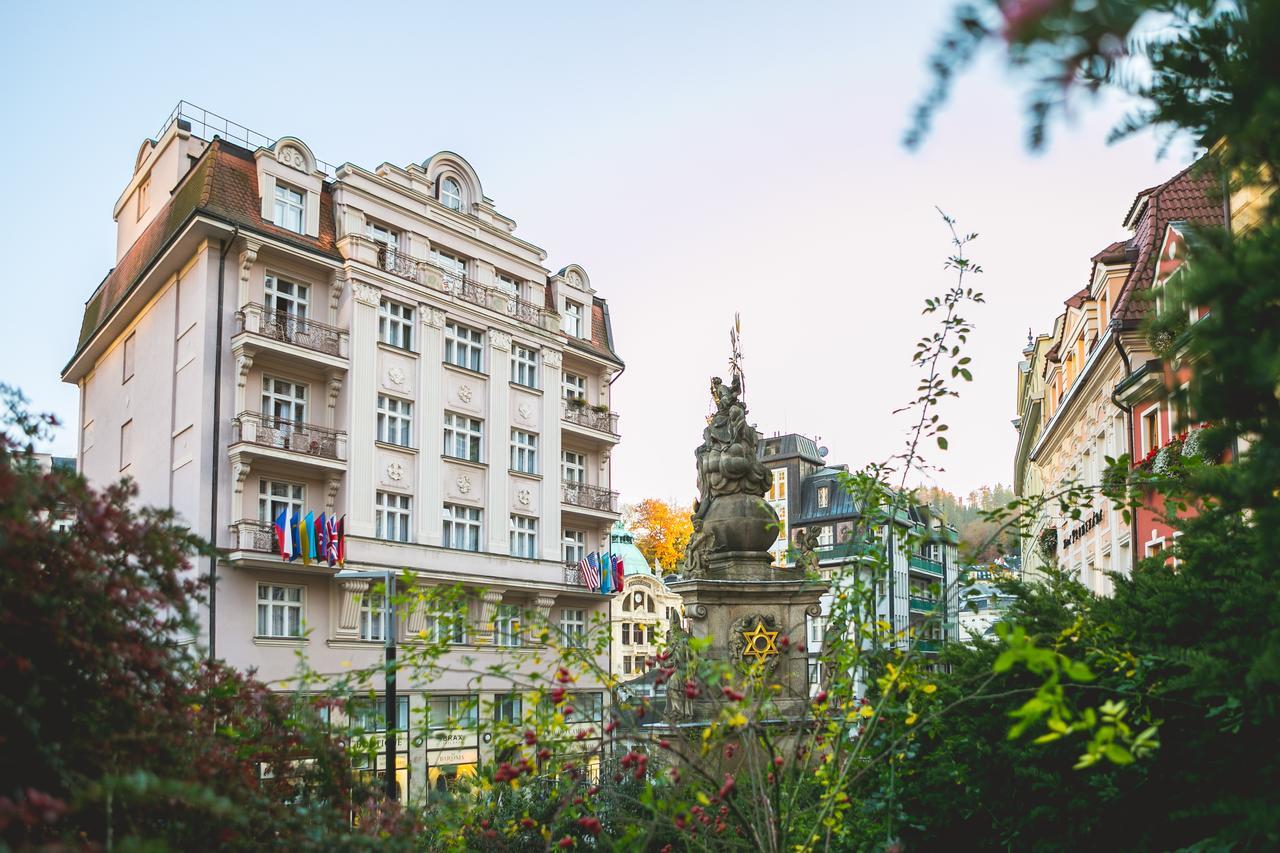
(451,194)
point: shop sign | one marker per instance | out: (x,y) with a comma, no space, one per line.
(1089,523)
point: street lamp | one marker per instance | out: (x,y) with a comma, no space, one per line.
(389,634)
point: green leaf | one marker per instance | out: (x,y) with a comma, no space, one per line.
(942,442)
(1117,754)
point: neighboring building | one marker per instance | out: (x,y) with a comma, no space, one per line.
(376,344)
(919,594)
(1098,348)
(982,602)
(642,614)
(1027,479)
(63,519)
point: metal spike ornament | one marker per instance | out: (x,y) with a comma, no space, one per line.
(735,356)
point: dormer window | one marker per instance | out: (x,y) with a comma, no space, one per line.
(289,207)
(451,194)
(144,196)
(824,496)
(571,320)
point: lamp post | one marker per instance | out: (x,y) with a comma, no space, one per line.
(389,635)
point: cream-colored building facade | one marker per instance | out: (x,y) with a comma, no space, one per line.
(1028,481)
(375,344)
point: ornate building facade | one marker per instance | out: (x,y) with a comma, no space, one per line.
(280,334)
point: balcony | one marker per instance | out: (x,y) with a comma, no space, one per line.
(277,438)
(572,574)
(590,417)
(928,647)
(252,535)
(924,564)
(589,497)
(398,263)
(286,328)
(923,605)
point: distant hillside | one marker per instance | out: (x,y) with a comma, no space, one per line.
(975,534)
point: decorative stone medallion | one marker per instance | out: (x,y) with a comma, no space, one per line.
(464,484)
(395,472)
(524,496)
(395,375)
(291,156)
(465,393)
(524,411)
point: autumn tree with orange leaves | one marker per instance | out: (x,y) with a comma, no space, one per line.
(661,530)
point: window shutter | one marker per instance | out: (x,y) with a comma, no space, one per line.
(267,186)
(312,225)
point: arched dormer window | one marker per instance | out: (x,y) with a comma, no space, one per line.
(451,193)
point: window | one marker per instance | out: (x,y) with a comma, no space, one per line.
(524,536)
(575,547)
(395,419)
(507,708)
(815,630)
(451,194)
(626,633)
(388,243)
(524,452)
(452,712)
(573,466)
(571,320)
(284,402)
(289,207)
(524,366)
(506,626)
(508,284)
(454,267)
(284,297)
(574,386)
(626,665)
(370,715)
(126,444)
(445,626)
(461,527)
(462,346)
(462,436)
(144,196)
(279,610)
(824,496)
(275,496)
(826,536)
(395,324)
(573,624)
(130,345)
(1151,429)
(372,617)
(653,635)
(391,517)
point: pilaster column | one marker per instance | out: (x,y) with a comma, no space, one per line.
(248,255)
(551,532)
(350,593)
(542,614)
(361,409)
(430,423)
(498,505)
(489,601)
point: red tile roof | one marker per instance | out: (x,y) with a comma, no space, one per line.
(601,330)
(223,184)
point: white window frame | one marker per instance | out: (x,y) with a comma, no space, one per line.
(129,357)
(447,626)
(506,626)
(463,437)
(1151,437)
(524,451)
(395,324)
(275,495)
(509,285)
(572,319)
(288,208)
(284,401)
(395,421)
(826,536)
(824,497)
(524,536)
(573,467)
(464,347)
(144,196)
(290,601)
(372,617)
(393,517)
(451,192)
(573,543)
(524,366)
(573,626)
(508,708)
(573,386)
(463,527)
(285,296)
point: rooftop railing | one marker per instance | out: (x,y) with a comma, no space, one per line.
(205,125)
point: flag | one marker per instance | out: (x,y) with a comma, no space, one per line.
(322,537)
(332,556)
(618,573)
(299,528)
(590,574)
(342,541)
(282,533)
(606,574)
(307,528)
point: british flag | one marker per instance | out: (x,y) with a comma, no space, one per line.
(590,572)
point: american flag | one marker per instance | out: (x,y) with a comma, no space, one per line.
(590,572)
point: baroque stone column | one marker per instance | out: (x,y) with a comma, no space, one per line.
(489,601)
(430,424)
(350,594)
(542,611)
(551,532)
(362,412)
(497,507)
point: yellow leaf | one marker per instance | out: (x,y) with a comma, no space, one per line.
(911,719)
(930,688)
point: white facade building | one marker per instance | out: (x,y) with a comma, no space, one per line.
(375,344)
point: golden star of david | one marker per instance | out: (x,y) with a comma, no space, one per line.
(760,643)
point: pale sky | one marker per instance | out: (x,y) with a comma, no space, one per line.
(697,162)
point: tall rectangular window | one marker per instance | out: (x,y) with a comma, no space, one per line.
(626,633)
(279,610)
(461,527)
(447,626)
(824,496)
(573,467)
(144,196)
(462,436)
(126,444)
(290,204)
(510,284)
(372,617)
(1151,429)
(462,346)
(524,366)
(575,547)
(506,626)
(574,387)
(395,420)
(524,452)
(391,517)
(284,402)
(524,536)
(826,536)
(395,324)
(276,495)
(571,320)
(130,347)
(507,708)
(284,298)
(573,624)
(454,267)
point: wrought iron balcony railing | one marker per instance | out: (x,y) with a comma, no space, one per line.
(572,574)
(590,417)
(397,263)
(292,329)
(523,310)
(589,497)
(252,535)
(307,439)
